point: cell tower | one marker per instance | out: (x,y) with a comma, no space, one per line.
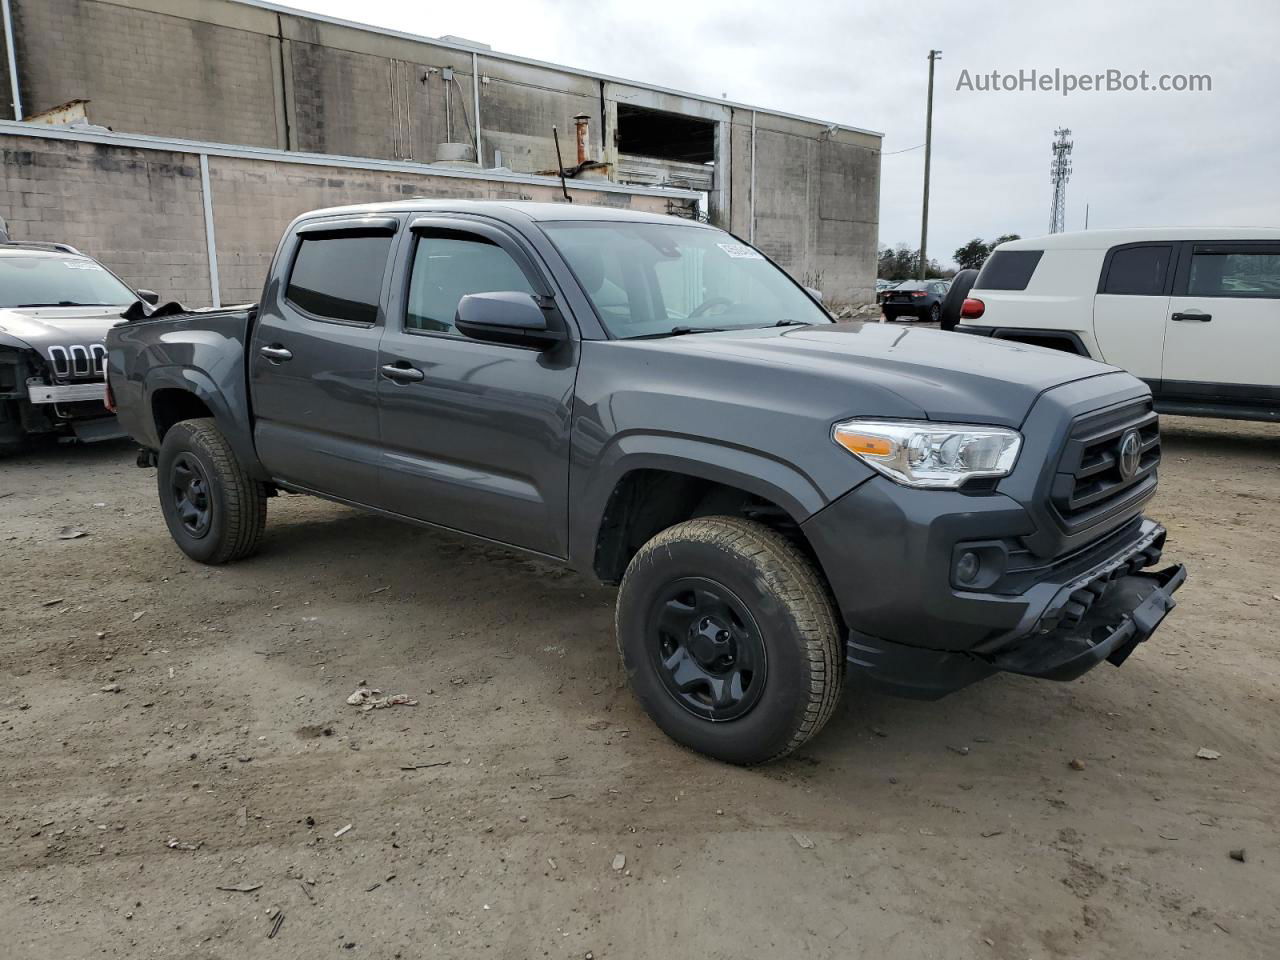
(1059,174)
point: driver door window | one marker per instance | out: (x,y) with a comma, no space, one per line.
(449,266)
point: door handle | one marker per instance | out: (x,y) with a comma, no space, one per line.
(276,354)
(402,374)
(1193,315)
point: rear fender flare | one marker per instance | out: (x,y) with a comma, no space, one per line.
(195,381)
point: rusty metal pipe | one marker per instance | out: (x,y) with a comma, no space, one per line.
(581,122)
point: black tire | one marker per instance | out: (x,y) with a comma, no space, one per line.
(961,284)
(935,313)
(197,468)
(778,618)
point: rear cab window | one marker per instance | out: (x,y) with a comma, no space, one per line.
(338,276)
(1008,270)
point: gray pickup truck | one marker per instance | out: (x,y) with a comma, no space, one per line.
(787,502)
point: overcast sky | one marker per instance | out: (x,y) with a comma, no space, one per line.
(1140,159)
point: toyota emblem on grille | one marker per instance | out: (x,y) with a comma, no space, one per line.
(1129,454)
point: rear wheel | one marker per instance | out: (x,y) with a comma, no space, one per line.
(214,510)
(729,639)
(935,312)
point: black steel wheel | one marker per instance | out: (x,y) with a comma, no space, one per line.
(214,510)
(708,649)
(730,639)
(189,488)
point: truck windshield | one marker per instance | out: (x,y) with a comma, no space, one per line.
(658,279)
(59,281)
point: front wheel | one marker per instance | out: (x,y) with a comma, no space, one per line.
(214,510)
(729,639)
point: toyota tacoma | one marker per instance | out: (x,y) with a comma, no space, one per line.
(787,503)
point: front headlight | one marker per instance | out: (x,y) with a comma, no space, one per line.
(939,455)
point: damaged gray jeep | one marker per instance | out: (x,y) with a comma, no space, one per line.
(56,306)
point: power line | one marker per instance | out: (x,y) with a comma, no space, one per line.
(903,150)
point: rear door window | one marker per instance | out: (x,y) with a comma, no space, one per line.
(1008,270)
(339,276)
(1224,272)
(1138,271)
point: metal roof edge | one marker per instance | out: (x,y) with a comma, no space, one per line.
(140,141)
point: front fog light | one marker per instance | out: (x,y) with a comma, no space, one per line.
(967,567)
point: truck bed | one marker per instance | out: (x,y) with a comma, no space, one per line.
(200,352)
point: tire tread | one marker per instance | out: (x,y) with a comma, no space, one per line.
(245,499)
(793,578)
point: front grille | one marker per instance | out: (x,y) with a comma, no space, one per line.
(1108,464)
(78,361)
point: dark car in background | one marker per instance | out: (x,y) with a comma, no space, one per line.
(916,299)
(56,306)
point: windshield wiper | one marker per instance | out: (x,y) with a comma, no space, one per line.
(64,303)
(679,332)
(792,323)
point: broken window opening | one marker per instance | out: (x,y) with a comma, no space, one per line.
(665,136)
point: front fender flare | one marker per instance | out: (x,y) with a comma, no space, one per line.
(757,473)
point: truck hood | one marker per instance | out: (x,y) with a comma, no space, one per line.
(70,339)
(914,372)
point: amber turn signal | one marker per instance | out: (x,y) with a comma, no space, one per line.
(864,444)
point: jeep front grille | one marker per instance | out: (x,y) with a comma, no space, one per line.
(78,361)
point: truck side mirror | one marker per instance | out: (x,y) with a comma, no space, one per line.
(506,316)
(149,295)
(816,294)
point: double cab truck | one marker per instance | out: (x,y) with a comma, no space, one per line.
(786,503)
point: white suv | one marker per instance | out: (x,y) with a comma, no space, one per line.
(1194,311)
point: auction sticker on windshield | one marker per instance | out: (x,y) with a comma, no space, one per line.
(740,251)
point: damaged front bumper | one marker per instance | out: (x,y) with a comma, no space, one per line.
(1103,615)
(1126,612)
(40,392)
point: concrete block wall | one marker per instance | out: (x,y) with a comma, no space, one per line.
(226,72)
(141,211)
(167,74)
(138,211)
(817,201)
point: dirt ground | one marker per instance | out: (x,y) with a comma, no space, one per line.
(168,731)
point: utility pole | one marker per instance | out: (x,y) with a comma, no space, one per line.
(934,55)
